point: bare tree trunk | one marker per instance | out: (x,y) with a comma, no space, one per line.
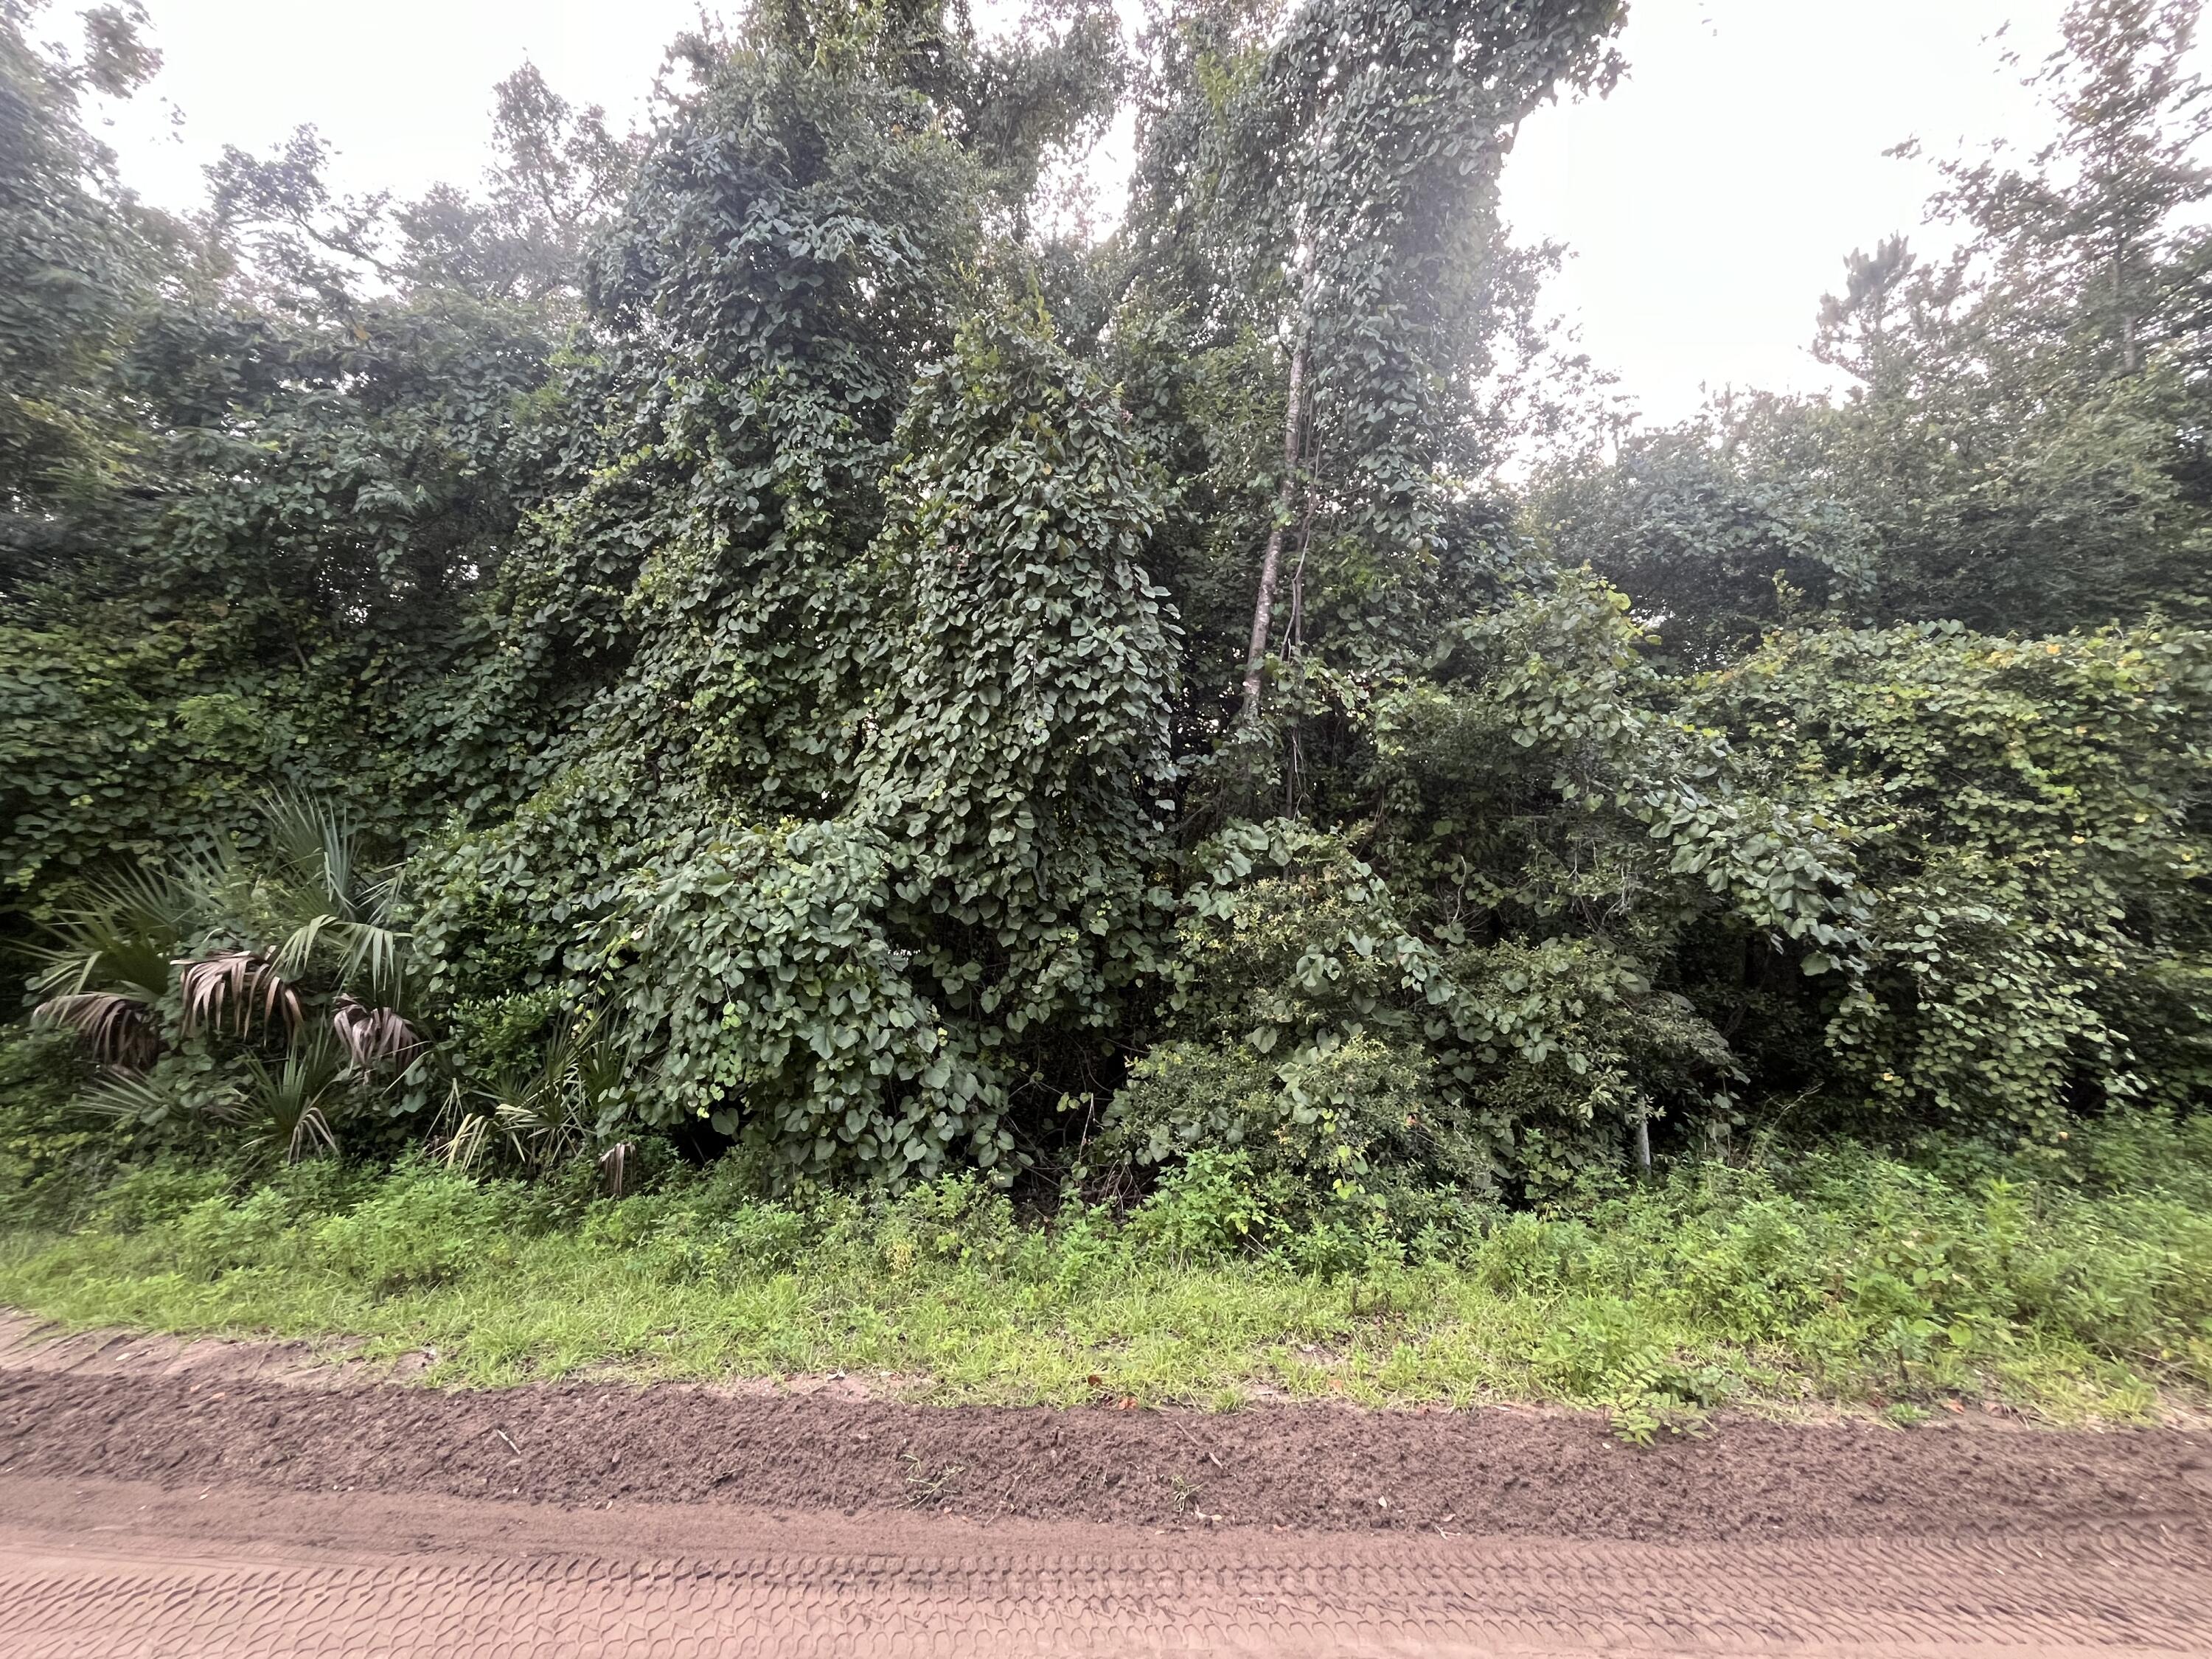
(1271,562)
(2130,345)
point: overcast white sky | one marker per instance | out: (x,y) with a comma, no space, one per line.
(1709,202)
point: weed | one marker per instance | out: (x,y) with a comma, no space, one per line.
(927,1487)
(425,1227)
(2073,1291)
(1205,1210)
(158,1193)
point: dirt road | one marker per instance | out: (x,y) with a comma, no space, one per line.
(219,1501)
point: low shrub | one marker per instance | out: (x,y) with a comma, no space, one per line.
(216,1236)
(157,1193)
(752,1241)
(1205,1209)
(54,1156)
(424,1226)
(959,1218)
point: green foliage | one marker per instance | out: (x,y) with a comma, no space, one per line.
(332,498)
(54,1156)
(424,1227)
(226,992)
(1206,1210)
(2029,818)
(2020,451)
(2073,1288)
(840,986)
(734,639)
(77,263)
(1322,304)
(152,1194)
(1713,552)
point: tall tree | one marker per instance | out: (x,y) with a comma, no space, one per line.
(1316,199)
(2023,443)
(79,262)
(2026,439)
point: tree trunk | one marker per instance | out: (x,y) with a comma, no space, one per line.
(2131,343)
(1271,562)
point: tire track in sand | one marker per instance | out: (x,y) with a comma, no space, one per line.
(102,1590)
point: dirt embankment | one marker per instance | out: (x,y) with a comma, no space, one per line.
(237,1502)
(217,1414)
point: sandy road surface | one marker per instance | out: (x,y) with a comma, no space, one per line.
(206,1500)
(109,1569)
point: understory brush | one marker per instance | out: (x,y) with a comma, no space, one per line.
(2069,1288)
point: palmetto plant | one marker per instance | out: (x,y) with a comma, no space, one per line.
(290,1103)
(252,946)
(546,1116)
(106,963)
(149,1100)
(316,886)
(372,1037)
(234,988)
(286,1106)
(117,1027)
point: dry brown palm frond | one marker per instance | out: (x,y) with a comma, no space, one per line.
(614,1167)
(239,986)
(372,1036)
(117,1029)
(311,1134)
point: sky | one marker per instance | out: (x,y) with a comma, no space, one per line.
(1708,204)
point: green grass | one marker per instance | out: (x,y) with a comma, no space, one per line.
(2080,1291)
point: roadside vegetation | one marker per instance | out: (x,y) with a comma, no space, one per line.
(752,749)
(2067,1288)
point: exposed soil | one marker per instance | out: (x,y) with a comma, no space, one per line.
(240,1500)
(216,1415)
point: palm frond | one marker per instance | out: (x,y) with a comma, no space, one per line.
(327,898)
(463,1146)
(372,1036)
(237,986)
(117,1028)
(316,847)
(304,835)
(294,1100)
(600,1065)
(560,1109)
(312,1131)
(120,931)
(153,1101)
(374,958)
(298,949)
(614,1167)
(370,957)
